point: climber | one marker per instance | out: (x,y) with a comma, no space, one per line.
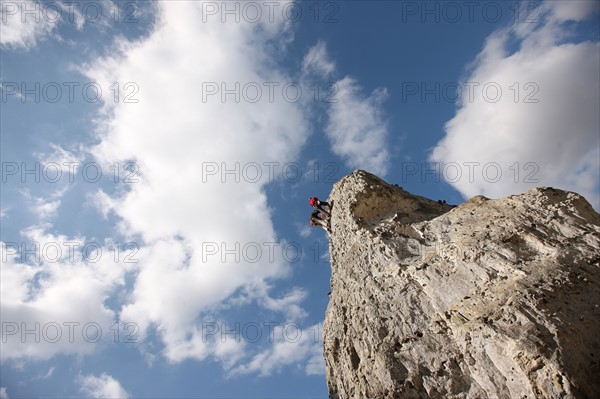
(316,219)
(317,203)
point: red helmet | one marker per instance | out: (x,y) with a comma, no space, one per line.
(313,201)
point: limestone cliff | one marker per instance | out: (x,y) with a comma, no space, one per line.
(489,299)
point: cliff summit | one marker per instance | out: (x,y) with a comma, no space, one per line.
(488,299)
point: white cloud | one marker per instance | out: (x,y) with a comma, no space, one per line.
(3,394)
(188,219)
(289,304)
(49,373)
(11,90)
(316,363)
(102,387)
(357,128)
(59,159)
(292,346)
(305,230)
(52,297)
(176,213)
(23,23)
(543,128)
(572,10)
(57,168)
(229,352)
(317,61)
(45,207)
(104,203)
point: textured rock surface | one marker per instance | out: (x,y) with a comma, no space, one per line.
(490,299)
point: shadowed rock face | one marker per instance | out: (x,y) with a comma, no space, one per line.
(490,299)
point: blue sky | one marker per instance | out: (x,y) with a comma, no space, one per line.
(158,157)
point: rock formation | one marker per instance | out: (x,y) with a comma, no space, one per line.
(489,299)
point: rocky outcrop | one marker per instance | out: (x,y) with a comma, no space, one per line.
(489,299)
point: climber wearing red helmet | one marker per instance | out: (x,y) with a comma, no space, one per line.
(317,203)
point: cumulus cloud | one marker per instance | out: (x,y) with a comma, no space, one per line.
(24,23)
(574,10)
(532,116)
(202,224)
(292,346)
(205,233)
(102,387)
(49,373)
(59,160)
(356,125)
(317,61)
(57,168)
(289,304)
(53,289)
(45,207)
(304,230)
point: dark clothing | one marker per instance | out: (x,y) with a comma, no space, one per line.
(317,220)
(319,217)
(316,202)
